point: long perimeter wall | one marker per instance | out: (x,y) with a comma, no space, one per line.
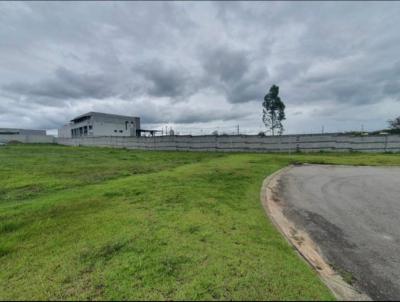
(247,143)
(28,138)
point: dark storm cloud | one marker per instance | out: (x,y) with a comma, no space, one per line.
(198,62)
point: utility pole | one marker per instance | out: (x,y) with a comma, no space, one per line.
(322,130)
(238,132)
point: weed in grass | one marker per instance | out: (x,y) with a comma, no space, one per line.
(8,227)
(176,198)
(296,163)
(103,253)
(136,192)
(111,194)
(4,250)
(172,265)
(193,229)
(24,192)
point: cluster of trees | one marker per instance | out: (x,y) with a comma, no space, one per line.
(216,133)
(394,124)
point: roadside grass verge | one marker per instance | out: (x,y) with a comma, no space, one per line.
(160,225)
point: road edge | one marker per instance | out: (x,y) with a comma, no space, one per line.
(305,247)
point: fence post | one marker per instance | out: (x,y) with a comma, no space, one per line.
(386,142)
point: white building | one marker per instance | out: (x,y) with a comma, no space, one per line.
(101,124)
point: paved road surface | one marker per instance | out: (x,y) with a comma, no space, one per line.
(353,214)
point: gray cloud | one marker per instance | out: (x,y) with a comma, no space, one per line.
(166,81)
(392,88)
(227,65)
(65,85)
(208,116)
(235,73)
(200,62)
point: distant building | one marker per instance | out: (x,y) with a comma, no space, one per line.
(101,124)
(14,131)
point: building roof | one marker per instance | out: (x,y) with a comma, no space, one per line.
(92,113)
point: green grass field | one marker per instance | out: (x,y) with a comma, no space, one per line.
(98,223)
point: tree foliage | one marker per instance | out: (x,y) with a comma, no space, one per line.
(273,111)
(395,124)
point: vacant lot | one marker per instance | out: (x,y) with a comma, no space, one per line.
(97,223)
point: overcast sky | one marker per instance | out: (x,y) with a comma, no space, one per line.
(199,66)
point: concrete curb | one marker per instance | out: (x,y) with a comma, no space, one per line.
(303,243)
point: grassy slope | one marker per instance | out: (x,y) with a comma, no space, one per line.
(94,223)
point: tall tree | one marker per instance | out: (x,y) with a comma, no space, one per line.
(395,124)
(273,111)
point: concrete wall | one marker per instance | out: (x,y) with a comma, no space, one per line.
(285,143)
(115,128)
(44,139)
(65,131)
(14,131)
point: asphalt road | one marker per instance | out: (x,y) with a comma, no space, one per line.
(353,214)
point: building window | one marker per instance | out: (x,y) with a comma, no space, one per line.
(120,131)
(90,127)
(126,125)
(115,131)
